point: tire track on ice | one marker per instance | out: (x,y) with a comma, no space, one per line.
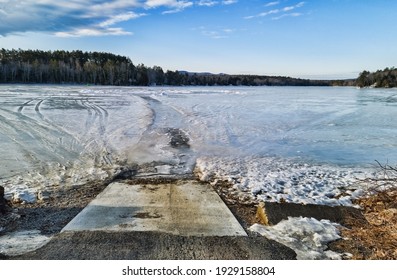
(20,108)
(64,134)
(37,109)
(18,136)
(101,113)
(28,128)
(60,132)
(95,144)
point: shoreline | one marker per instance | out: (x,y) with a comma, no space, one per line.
(50,216)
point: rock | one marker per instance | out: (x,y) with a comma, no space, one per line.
(125,174)
(271,213)
(43,195)
(2,200)
(178,138)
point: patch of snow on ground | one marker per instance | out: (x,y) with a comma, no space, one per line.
(308,237)
(22,242)
(275,179)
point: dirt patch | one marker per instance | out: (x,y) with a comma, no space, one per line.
(274,212)
(146,215)
(51,215)
(241,206)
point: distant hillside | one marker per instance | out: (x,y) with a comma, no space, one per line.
(386,78)
(210,79)
(99,68)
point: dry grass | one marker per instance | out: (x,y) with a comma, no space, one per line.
(376,240)
(373,239)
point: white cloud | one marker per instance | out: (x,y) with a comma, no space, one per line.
(208,3)
(120,18)
(229,2)
(77,17)
(218,33)
(282,11)
(287,15)
(275,11)
(272,3)
(173,4)
(84,17)
(93,32)
(290,8)
(228,30)
(286,9)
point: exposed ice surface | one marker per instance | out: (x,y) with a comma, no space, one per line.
(299,144)
(308,237)
(296,144)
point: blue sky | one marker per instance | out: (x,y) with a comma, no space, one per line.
(309,39)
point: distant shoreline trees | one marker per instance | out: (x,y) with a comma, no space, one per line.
(386,78)
(101,68)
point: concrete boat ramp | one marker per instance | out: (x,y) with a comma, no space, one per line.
(152,220)
(184,208)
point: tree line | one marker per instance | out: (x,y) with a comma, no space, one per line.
(75,67)
(101,68)
(386,78)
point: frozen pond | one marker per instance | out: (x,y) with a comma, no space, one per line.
(299,141)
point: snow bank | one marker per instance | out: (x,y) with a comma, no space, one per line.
(275,179)
(307,236)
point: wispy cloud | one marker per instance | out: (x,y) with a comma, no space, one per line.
(229,2)
(287,15)
(79,17)
(120,18)
(272,3)
(211,3)
(281,12)
(174,6)
(216,33)
(93,32)
(208,3)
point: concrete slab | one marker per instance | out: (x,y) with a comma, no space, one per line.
(186,208)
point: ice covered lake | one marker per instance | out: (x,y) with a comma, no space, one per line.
(301,144)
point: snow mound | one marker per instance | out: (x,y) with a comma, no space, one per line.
(308,237)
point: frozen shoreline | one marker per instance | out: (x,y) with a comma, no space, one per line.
(283,180)
(259,178)
(61,138)
(251,181)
